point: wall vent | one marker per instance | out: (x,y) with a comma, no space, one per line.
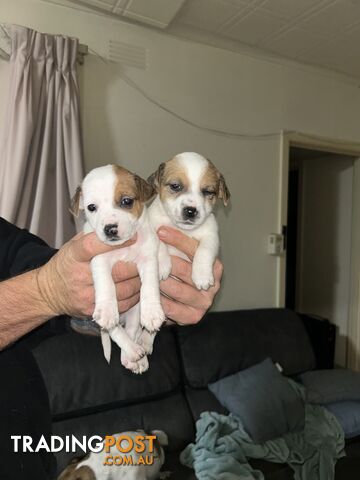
(126,54)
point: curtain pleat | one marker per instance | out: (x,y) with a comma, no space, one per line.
(41,151)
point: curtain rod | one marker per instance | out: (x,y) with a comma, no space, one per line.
(82,51)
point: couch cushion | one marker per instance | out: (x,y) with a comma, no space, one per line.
(243,394)
(226,342)
(79,379)
(170,414)
(348,415)
(328,386)
(202,400)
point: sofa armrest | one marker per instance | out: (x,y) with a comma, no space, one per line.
(322,336)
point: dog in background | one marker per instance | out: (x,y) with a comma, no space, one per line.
(113,200)
(91,466)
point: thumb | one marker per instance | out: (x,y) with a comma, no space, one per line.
(87,246)
(179,240)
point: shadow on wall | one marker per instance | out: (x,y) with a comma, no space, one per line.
(95,114)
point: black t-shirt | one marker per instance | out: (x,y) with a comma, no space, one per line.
(20,251)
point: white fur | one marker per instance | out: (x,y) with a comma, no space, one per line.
(95,461)
(98,189)
(204,228)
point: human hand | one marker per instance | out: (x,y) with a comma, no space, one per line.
(187,304)
(66,282)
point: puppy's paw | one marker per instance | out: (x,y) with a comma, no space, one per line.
(152,316)
(137,367)
(133,352)
(202,276)
(142,366)
(164,266)
(106,314)
(146,340)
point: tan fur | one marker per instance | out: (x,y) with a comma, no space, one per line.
(128,184)
(210,181)
(172,171)
(75,202)
(169,172)
(156,178)
(82,473)
(213,176)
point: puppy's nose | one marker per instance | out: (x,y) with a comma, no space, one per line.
(111,230)
(189,212)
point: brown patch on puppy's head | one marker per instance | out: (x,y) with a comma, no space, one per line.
(75,205)
(155,178)
(71,472)
(168,177)
(213,181)
(146,191)
(132,189)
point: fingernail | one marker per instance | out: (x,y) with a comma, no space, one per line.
(162,232)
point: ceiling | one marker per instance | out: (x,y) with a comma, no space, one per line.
(324,33)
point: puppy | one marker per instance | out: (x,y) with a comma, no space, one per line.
(91,467)
(113,200)
(187,188)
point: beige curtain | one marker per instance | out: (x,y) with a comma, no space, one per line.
(41,154)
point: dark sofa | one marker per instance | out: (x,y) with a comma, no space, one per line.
(89,397)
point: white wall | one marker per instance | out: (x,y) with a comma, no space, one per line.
(217,88)
(325,242)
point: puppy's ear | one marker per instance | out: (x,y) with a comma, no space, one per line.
(73,473)
(145,190)
(224,192)
(155,178)
(76,202)
(161,437)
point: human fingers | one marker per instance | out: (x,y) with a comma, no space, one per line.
(123,271)
(127,288)
(84,247)
(180,313)
(186,294)
(179,240)
(125,305)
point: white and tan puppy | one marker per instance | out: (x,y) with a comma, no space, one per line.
(94,467)
(113,200)
(187,189)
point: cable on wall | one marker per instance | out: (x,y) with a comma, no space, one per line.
(132,84)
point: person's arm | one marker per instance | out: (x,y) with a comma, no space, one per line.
(182,301)
(20,251)
(63,286)
(22,307)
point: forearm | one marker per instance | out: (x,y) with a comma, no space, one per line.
(22,307)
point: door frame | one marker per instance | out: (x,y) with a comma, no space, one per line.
(313,142)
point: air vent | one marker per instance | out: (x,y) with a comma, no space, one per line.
(126,54)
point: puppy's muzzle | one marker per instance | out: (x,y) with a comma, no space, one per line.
(111,231)
(189,213)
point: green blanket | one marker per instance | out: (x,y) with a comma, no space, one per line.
(222,447)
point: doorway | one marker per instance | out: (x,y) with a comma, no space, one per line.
(318,238)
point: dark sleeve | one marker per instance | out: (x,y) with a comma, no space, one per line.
(20,250)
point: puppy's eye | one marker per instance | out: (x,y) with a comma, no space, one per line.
(208,193)
(176,187)
(92,207)
(127,202)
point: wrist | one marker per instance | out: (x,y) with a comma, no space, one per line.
(47,291)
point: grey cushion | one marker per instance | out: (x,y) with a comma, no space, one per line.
(330,386)
(348,415)
(264,401)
